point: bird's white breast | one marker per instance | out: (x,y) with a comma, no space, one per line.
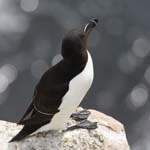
(78,88)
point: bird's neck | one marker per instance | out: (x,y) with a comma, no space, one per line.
(78,59)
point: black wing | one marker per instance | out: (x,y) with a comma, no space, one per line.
(48,94)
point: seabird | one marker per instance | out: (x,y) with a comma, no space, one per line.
(62,88)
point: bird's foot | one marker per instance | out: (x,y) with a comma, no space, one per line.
(85,124)
(81,115)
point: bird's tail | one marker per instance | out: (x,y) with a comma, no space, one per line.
(27,130)
(30,108)
(18,137)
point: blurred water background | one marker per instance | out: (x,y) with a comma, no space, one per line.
(30,40)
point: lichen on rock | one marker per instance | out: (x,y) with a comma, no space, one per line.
(110,135)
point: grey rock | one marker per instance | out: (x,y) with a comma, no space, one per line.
(110,135)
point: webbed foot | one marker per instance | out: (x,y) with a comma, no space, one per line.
(81,115)
(85,124)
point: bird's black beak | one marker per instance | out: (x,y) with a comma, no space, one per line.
(88,27)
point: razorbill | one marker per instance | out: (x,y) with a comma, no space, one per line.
(62,87)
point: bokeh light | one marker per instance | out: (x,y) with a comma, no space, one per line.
(38,68)
(10,72)
(56,59)
(128,63)
(4,82)
(13,23)
(29,5)
(11,19)
(4,96)
(141,48)
(147,75)
(139,96)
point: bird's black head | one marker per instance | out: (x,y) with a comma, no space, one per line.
(74,43)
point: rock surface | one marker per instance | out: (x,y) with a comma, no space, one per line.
(110,135)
